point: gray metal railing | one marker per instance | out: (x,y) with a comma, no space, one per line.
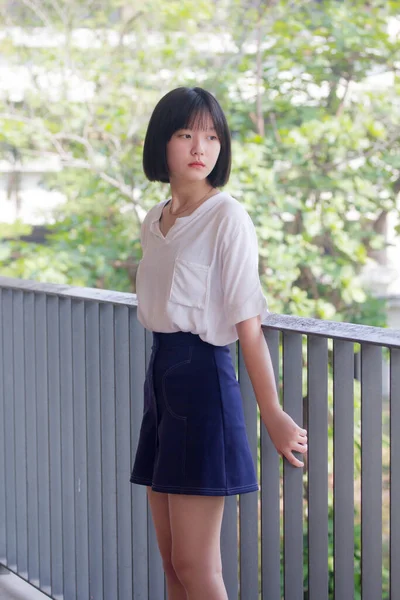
(72,366)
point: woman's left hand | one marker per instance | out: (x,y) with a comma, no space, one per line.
(286,436)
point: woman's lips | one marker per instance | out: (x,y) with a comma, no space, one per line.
(197,165)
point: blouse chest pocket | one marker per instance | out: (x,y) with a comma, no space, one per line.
(190,283)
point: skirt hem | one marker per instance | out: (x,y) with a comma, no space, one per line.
(195,491)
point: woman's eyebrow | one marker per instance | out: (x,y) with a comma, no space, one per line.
(196,129)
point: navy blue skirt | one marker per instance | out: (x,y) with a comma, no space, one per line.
(193,438)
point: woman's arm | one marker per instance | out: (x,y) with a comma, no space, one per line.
(285,434)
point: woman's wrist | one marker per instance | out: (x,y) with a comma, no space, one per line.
(270,411)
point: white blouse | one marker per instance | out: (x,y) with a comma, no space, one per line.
(203,275)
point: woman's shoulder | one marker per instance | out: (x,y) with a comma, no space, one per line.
(231,211)
(154,212)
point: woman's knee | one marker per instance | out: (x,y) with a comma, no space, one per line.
(168,567)
(192,569)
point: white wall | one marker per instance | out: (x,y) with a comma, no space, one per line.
(31,202)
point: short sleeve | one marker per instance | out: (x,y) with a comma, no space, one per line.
(242,292)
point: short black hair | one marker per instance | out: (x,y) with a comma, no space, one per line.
(180,109)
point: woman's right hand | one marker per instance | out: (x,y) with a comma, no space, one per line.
(286,435)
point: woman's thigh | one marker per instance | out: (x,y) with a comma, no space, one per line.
(195,523)
(160,513)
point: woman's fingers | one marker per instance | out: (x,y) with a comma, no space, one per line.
(292,459)
(300,448)
(288,437)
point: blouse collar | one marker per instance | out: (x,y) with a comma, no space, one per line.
(180,221)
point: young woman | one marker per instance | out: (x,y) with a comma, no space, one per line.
(198,291)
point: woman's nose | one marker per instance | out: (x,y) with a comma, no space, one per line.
(197,147)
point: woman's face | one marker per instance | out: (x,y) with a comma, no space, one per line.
(193,153)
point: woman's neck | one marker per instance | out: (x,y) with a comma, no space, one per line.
(186,195)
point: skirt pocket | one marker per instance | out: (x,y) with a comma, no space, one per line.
(175,384)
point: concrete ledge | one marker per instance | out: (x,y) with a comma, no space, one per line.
(15,588)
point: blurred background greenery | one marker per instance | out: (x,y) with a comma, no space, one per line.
(311,91)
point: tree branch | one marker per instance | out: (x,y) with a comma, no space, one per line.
(343,100)
(69,160)
(375,148)
(38,12)
(272,119)
(259,82)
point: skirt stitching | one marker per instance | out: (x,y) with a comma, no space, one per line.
(167,405)
(223,419)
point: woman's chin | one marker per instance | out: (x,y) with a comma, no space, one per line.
(190,177)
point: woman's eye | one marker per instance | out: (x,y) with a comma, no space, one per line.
(188,136)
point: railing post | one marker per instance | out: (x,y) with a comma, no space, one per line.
(293,476)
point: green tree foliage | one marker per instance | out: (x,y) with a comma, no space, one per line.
(316,144)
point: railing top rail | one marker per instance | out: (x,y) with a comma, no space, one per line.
(331,329)
(338,331)
(68,291)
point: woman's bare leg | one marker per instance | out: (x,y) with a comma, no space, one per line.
(160,513)
(196,555)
